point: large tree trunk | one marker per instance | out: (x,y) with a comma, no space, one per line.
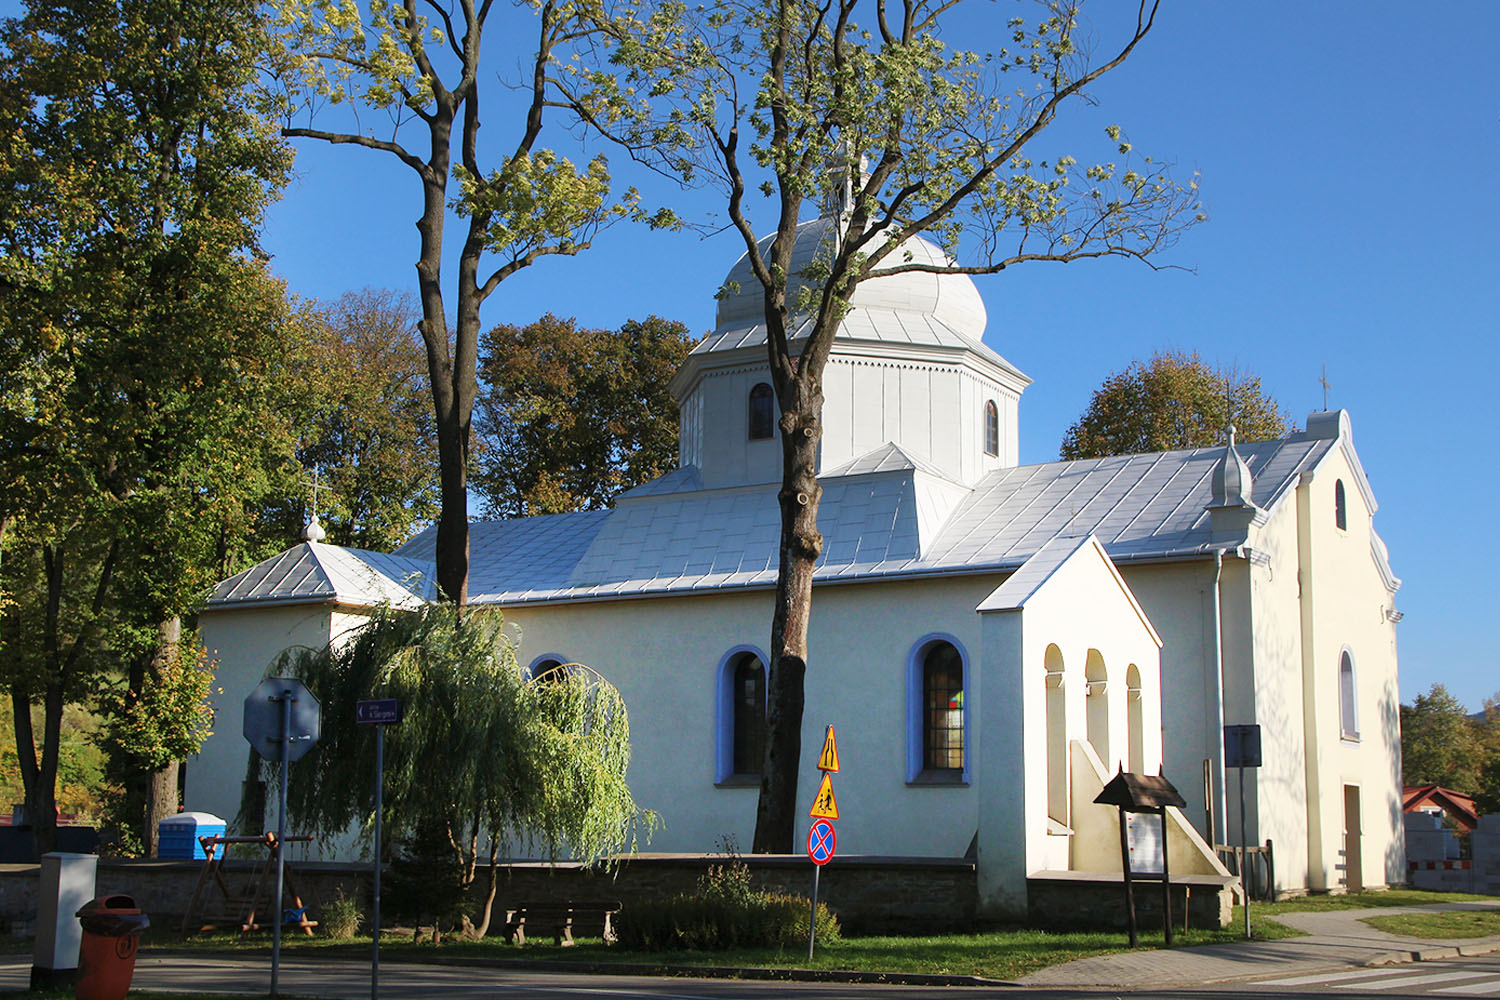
(151,796)
(776,810)
(161,802)
(41,793)
(449,407)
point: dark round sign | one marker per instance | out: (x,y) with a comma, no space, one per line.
(821,841)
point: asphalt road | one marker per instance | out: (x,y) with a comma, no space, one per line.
(1451,979)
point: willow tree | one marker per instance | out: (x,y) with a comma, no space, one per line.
(416,65)
(873,106)
(489,756)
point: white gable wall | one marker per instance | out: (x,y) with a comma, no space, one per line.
(1345,597)
(1016,837)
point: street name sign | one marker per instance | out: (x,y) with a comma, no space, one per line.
(378,712)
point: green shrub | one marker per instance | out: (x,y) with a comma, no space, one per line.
(720,920)
(340,918)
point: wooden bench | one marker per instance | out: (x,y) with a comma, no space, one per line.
(556,917)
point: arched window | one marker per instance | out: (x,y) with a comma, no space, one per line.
(740,717)
(1340,508)
(991,428)
(762,413)
(749,713)
(1135,725)
(547,668)
(1057,739)
(942,709)
(1348,699)
(1097,700)
(937,675)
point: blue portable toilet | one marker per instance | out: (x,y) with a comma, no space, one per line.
(177,836)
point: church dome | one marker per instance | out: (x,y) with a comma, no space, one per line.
(951,301)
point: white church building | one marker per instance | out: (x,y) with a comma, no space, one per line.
(992,641)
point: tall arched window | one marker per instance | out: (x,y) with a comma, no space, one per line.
(942,709)
(1348,698)
(1340,508)
(991,428)
(1096,718)
(762,412)
(749,713)
(1057,739)
(937,673)
(740,717)
(1135,725)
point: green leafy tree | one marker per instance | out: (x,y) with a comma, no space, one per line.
(1439,743)
(144,330)
(422,69)
(483,753)
(1488,797)
(878,114)
(357,401)
(1176,400)
(150,728)
(571,417)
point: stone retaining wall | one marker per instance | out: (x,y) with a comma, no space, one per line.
(1084,899)
(868,894)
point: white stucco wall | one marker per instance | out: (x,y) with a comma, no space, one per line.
(245,642)
(1287,615)
(663,655)
(1015,842)
(934,409)
(1346,603)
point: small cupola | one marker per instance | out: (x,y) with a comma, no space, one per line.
(1232,510)
(1231,484)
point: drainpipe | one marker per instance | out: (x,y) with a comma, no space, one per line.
(1217,756)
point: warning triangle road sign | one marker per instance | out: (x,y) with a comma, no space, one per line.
(825,806)
(828,760)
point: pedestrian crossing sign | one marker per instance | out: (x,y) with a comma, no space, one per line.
(825,806)
(828,760)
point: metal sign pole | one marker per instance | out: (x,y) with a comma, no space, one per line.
(287,697)
(812,917)
(1244,854)
(379,789)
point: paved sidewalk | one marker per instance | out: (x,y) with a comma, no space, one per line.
(1337,939)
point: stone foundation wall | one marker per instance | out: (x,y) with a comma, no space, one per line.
(1085,899)
(869,894)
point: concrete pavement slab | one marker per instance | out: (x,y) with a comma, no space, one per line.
(1337,939)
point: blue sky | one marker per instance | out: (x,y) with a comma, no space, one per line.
(1346,152)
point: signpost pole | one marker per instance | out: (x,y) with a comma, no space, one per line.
(287,697)
(1166,877)
(379,790)
(1244,854)
(812,917)
(1125,873)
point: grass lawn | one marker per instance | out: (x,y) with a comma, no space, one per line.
(1364,901)
(999,954)
(1005,953)
(1459,924)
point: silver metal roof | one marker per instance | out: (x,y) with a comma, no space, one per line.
(882,515)
(315,573)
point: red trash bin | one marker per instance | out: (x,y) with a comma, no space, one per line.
(112,928)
